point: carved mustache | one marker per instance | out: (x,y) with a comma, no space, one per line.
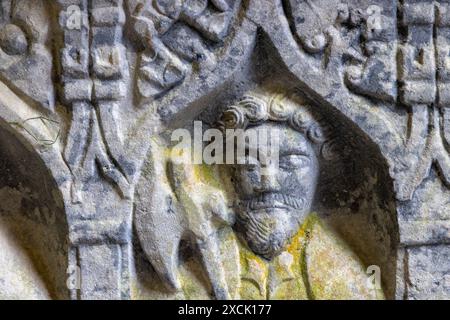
(272,200)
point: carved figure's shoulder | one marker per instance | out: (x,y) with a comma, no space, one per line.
(333,269)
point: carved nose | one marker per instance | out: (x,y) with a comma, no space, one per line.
(268,182)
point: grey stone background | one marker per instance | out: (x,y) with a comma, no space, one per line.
(79,107)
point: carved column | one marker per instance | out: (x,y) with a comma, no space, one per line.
(95,75)
(424,229)
(418,64)
(443,64)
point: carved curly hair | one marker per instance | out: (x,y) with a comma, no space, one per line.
(258,107)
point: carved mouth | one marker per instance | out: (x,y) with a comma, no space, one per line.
(273,201)
(262,206)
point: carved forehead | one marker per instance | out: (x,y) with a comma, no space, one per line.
(290,140)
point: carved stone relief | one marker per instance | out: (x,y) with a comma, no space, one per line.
(355,94)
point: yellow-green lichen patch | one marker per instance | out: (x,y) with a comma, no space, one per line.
(334,271)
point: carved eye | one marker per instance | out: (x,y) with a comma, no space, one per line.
(251,164)
(294,161)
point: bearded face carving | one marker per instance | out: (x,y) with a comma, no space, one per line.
(274,203)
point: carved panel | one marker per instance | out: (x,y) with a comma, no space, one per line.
(117,115)
(173,35)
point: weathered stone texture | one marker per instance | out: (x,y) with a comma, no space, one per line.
(95,205)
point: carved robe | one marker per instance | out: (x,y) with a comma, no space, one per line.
(316,265)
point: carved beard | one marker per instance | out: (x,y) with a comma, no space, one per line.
(268,223)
